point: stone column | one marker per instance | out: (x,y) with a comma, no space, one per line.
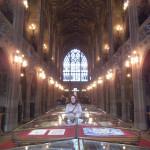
(27,107)
(139,104)
(133,22)
(18,22)
(110,27)
(38,98)
(113,109)
(123,99)
(101,96)
(41,27)
(13,99)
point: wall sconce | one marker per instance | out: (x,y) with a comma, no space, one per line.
(126,5)
(32,27)
(100,80)
(61,87)
(109,75)
(83,90)
(88,88)
(66,90)
(135,59)
(51,81)
(118,29)
(127,63)
(106,48)
(25,3)
(24,63)
(94,84)
(45,46)
(52,58)
(56,84)
(128,75)
(42,74)
(22,75)
(18,57)
(132,60)
(98,58)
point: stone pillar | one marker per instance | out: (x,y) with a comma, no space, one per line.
(13,99)
(27,107)
(123,98)
(101,96)
(110,27)
(139,104)
(41,27)
(38,98)
(18,22)
(113,109)
(133,22)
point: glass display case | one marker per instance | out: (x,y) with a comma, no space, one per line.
(93,124)
(79,144)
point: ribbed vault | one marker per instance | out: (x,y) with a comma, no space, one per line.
(76,19)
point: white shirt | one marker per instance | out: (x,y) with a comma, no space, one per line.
(74,109)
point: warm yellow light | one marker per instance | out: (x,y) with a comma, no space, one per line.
(24,63)
(51,80)
(66,90)
(128,75)
(119,28)
(94,84)
(109,75)
(126,5)
(45,46)
(56,84)
(42,74)
(22,75)
(134,60)
(32,26)
(100,80)
(17,51)
(98,58)
(134,52)
(25,3)
(52,58)
(88,88)
(106,47)
(83,90)
(18,59)
(62,88)
(127,64)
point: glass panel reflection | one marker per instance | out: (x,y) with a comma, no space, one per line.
(94,145)
(58,145)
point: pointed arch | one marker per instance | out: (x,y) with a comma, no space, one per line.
(75,66)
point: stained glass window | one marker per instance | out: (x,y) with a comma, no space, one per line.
(75,66)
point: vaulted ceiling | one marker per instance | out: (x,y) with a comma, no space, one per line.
(76,20)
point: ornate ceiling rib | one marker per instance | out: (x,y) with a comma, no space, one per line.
(76,19)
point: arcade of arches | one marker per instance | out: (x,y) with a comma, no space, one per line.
(110,66)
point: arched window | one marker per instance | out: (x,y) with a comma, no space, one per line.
(75,66)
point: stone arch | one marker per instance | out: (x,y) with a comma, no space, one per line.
(146,85)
